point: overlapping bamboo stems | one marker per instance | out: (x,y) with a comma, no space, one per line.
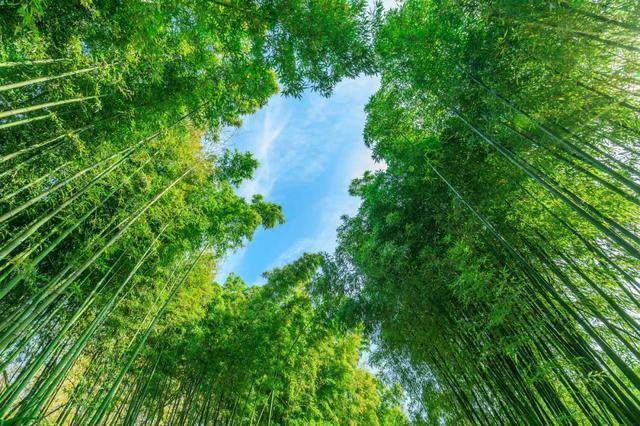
(48,144)
(42,299)
(621,365)
(32,404)
(569,147)
(124,153)
(46,79)
(594,220)
(55,142)
(34,226)
(577,269)
(571,163)
(10,354)
(612,269)
(103,408)
(28,373)
(39,394)
(74,225)
(625,399)
(581,207)
(128,224)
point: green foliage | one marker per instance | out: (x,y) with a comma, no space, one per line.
(494,263)
(117,201)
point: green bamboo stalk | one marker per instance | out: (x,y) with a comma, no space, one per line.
(24,121)
(12,86)
(32,62)
(43,144)
(97,418)
(10,113)
(8,215)
(59,284)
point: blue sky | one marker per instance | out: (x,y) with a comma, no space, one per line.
(309,150)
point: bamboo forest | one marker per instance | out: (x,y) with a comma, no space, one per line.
(490,274)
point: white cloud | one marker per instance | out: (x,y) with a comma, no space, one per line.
(333,207)
(362,161)
(274,122)
(281,156)
(388,4)
(229,263)
(297,142)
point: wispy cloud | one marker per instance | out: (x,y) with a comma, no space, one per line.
(332,208)
(309,151)
(229,263)
(388,4)
(273,123)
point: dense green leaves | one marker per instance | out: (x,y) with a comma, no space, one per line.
(495,261)
(118,199)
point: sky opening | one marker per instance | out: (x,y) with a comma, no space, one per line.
(309,150)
